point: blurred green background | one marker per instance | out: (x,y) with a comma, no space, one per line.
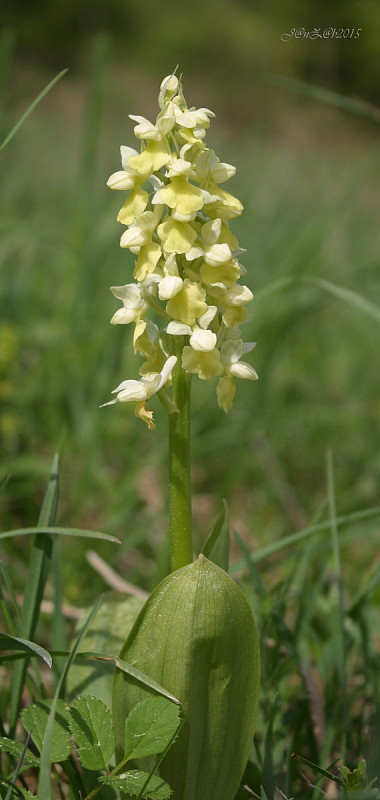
(308,177)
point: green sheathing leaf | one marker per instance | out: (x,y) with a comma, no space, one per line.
(107,635)
(91,727)
(150,727)
(34,719)
(8,642)
(16,749)
(133,783)
(196,636)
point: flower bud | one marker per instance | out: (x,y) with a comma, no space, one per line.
(196,636)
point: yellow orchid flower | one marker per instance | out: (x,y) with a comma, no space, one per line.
(204,364)
(180,195)
(177,237)
(134,205)
(188,304)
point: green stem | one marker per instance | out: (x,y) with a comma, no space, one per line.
(181,547)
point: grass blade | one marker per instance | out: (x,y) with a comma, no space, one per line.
(341,292)
(37,576)
(10,791)
(318,769)
(8,642)
(355,106)
(339,644)
(44,787)
(348,295)
(13,611)
(257,582)
(55,530)
(58,636)
(133,672)
(295,538)
(31,108)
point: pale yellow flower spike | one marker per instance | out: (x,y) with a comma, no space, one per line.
(176,219)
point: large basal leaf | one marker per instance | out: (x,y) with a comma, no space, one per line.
(150,727)
(34,719)
(91,726)
(108,633)
(133,782)
(16,749)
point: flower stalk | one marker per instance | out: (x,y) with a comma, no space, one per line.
(180,523)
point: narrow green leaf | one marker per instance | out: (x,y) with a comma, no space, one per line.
(353,105)
(150,726)
(44,787)
(269,783)
(295,538)
(133,782)
(3,484)
(339,638)
(318,769)
(8,584)
(251,566)
(13,791)
(16,749)
(342,292)
(35,585)
(58,633)
(8,642)
(18,770)
(91,726)
(55,530)
(369,585)
(133,672)
(31,108)
(348,296)
(34,719)
(217,545)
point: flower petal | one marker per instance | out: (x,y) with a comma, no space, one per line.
(178,329)
(225,392)
(243,370)
(120,180)
(169,287)
(202,340)
(134,205)
(178,237)
(205,365)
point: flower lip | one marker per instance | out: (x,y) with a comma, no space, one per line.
(130,391)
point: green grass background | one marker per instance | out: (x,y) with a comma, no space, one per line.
(307,174)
